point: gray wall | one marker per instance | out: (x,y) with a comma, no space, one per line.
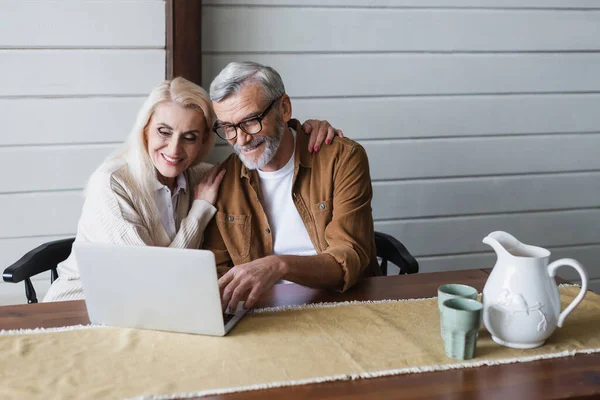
(476,115)
(73,74)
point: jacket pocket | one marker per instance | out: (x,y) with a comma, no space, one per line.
(236,232)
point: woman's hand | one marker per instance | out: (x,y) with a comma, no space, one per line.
(208,188)
(320,131)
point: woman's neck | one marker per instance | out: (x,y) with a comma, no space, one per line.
(168,182)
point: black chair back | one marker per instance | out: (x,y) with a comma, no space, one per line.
(390,249)
(41,259)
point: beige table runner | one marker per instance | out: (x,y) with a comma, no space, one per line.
(266,349)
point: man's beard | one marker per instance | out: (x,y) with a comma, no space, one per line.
(271,146)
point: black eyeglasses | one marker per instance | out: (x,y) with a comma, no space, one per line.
(251,126)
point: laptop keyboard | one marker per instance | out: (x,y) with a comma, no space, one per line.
(227,317)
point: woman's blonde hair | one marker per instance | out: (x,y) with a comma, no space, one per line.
(134,151)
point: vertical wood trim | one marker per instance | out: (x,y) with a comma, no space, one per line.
(184,55)
(169,39)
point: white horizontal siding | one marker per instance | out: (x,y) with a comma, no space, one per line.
(51,167)
(461,235)
(80,72)
(413,158)
(374,74)
(434,116)
(415,3)
(397,30)
(123,24)
(404,159)
(49,213)
(68,120)
(484,195)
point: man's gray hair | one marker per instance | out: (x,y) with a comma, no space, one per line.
(237,74)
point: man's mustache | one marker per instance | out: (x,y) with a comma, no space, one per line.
(250,145)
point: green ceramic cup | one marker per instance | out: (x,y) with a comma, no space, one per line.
(460,319)
(453,291)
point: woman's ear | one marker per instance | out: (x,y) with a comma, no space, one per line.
(145,136)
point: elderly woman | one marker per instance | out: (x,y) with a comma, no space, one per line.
(155,190)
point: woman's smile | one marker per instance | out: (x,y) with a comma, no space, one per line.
(171,160)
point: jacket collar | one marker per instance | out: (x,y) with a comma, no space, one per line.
(302,156)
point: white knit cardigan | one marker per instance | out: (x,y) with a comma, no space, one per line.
(113,213)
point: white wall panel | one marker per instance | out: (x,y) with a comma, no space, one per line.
(460,235)
(68,120)
(50,167)
(353,30)
(404,159)
(37,24)
(500,194)
(48,213)
(374,74)
(429,158)
(434,116)
(416,3)
(80,72)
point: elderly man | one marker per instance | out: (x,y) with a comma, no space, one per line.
(285,212)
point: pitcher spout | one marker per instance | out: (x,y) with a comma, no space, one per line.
(502,243)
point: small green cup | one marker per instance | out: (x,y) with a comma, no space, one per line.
(460,319)
(453,291)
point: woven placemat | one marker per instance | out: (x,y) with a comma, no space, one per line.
(269,348)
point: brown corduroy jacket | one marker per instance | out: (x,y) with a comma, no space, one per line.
(332,193)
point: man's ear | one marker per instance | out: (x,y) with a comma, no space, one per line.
(285,108)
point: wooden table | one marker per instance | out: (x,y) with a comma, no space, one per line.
(570,377)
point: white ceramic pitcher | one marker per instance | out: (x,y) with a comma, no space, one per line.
(521,303)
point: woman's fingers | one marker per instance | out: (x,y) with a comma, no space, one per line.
(320,131)
(209,176)
(330,135)
(219,178)
(307,127)
(214,171)
(311,139)
(320,134)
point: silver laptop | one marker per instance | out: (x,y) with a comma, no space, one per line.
(153,288)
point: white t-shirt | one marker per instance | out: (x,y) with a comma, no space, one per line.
(289,233)
(167,204)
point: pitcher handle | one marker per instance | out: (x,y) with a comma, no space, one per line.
(584,283)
